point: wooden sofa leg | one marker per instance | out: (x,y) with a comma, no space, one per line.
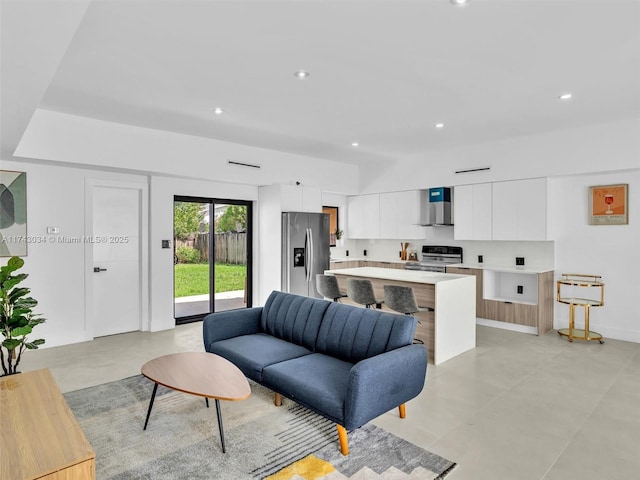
(277,400)
(402,410)
(344,441)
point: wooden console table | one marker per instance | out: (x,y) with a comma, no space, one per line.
(580,281)
(40,437)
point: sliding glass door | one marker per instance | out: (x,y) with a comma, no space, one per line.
(212,258)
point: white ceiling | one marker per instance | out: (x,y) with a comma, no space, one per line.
(382,72)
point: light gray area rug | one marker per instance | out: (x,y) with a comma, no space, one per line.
(182,439)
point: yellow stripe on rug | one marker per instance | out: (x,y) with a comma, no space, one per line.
(309,468)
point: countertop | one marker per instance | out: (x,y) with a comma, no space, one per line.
(368,259)
(503,268)
(415,276)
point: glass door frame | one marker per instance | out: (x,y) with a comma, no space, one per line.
(249,274)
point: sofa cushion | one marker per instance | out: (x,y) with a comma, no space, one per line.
(353,333)
(293,318)
(251,353)
(319,382)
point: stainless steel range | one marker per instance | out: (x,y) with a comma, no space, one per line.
(435,258)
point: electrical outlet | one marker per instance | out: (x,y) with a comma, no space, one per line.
(480,259)
(519,260)
(365,253)
(520,289)
(347,253)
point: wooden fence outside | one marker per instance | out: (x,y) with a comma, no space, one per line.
(230,248)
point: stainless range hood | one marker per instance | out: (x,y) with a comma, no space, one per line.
(437,207)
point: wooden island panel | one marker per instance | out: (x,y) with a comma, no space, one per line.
(448,328)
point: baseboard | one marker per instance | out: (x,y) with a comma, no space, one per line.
(507,326)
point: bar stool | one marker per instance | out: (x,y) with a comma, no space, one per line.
(402,300)
(327,286)
(361,291)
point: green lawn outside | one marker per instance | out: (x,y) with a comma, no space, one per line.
(193,279)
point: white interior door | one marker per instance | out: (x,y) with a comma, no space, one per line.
(116,260)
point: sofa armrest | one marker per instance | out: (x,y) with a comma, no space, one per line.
(233,323)
(381,383)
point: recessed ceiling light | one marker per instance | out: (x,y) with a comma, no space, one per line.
(459,3)
(302,74)
(565,96)
(218,111)
(439,125)
(355,144)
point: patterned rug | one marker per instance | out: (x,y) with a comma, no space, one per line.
(262,441)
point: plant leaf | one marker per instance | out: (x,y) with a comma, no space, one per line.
(17,321)
(27,302)
(12,281)
(21,331)
(15,263)
(16,293)
(11,343)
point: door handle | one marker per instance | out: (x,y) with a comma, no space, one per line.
(98,269)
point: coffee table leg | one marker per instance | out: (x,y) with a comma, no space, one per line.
(206,400)
(153,396)
(220,424)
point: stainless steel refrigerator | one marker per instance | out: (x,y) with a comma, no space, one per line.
(305,251)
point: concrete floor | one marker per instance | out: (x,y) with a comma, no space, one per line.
(516,407)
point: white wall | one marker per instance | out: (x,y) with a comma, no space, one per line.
(572,160)
(600,148)
(610,251)
(162,192)
(56,197)
(269,242)
(173,164)
(86,141)
(498,253)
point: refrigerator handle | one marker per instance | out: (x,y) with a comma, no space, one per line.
(311,256)
(306,254)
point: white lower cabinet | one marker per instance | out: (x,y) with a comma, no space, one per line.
(498,296)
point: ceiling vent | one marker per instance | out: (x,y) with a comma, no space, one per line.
(473,170)
(242,164)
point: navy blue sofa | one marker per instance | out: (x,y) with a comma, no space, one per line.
(346,363)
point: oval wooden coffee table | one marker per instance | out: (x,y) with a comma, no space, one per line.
(198,373)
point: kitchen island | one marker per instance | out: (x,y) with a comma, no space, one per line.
(449,327)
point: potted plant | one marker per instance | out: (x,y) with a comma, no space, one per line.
(17,319)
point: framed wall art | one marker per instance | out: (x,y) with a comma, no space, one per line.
(333,223)
(13,214)
(609,204)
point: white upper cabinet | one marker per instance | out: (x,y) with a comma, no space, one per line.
(296,198)
(400,215)
(513,210)
(472,212)
(520,210)
(363,216)
(394,215)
